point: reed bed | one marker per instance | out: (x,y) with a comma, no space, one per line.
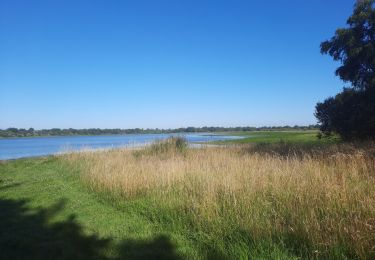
(317,204)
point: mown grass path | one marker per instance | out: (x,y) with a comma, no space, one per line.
(46,213)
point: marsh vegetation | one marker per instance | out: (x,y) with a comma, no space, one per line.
(256,200)
(304,201)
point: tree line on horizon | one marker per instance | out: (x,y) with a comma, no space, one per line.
(22,132)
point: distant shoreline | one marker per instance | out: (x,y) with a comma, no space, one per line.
(21,132)
(36,136)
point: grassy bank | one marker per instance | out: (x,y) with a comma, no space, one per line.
(46,212)
(249,201)
(299,137)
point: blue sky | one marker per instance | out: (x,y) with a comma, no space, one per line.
(165,64)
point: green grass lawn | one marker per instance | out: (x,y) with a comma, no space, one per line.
(46,213)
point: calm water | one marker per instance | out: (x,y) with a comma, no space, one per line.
(13,148)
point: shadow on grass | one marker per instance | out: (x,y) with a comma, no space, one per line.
(8,186)
(286,149)
(159,248)
(29,234)
(314,150)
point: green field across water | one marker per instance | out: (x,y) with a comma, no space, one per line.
(304,137)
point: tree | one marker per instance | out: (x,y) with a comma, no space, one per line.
(351,113)
(354,47)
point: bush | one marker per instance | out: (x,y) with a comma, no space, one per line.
(176,144)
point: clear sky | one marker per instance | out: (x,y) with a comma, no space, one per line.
(165,64)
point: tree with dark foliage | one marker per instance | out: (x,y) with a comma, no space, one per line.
(351,113)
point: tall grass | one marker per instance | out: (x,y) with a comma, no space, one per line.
(318,204)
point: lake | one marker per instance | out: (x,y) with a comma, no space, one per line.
(13,148)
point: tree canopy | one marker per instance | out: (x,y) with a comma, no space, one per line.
(354,47)
(351,113)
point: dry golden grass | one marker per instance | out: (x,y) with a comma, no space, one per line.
(314,203)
